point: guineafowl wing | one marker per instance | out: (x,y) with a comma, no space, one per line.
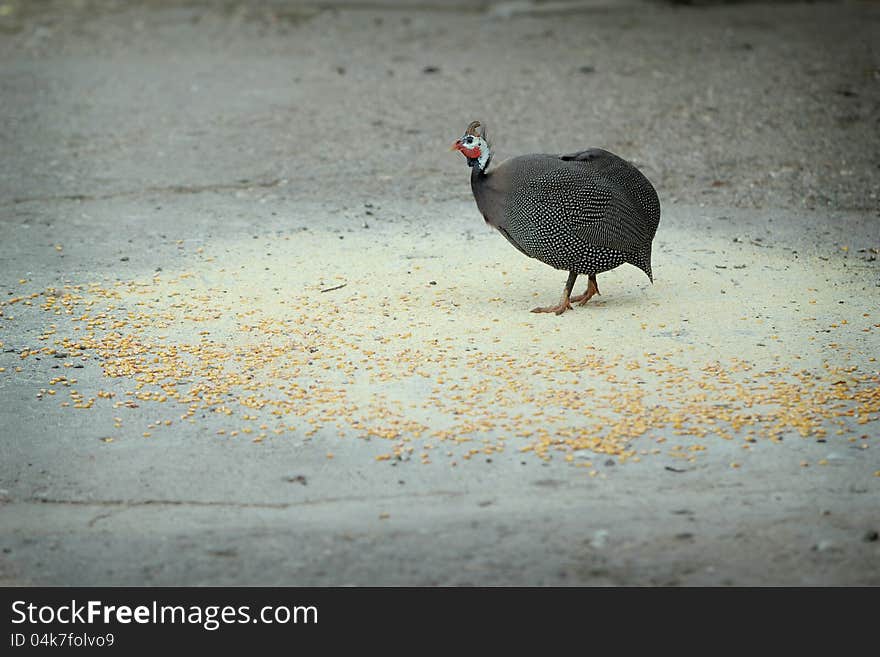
(583,201)
(620,225)
(626,178)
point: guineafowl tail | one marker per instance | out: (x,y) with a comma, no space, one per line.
(642,259)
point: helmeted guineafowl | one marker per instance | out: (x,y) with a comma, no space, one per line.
(584,213)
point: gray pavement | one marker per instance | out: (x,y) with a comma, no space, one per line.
(197,173)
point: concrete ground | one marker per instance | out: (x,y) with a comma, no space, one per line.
(255,332)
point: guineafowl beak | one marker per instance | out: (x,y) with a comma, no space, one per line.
(456,146)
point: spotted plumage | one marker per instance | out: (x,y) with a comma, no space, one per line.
(585,212)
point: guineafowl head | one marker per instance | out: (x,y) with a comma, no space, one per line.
(474,145)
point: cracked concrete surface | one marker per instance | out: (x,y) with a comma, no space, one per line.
(137,135)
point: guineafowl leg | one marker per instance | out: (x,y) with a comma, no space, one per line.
(592,289)
(564,303)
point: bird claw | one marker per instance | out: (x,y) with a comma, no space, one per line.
(560,308)
(591,291)
(582,299)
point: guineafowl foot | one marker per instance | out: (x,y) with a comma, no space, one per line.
(560,308)
(591,291)
(564,303)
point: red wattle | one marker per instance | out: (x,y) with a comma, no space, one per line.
(471,153)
